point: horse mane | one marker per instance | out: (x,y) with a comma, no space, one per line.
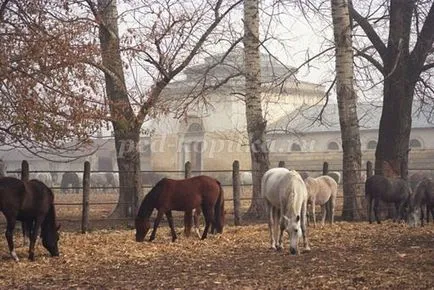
(150,198)
(293,187)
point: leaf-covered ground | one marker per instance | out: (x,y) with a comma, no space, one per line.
(344,256)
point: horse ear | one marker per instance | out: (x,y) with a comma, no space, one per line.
(297,218)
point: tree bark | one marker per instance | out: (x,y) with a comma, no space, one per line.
(395,122)
(126,128)
(256,124)
(347,105)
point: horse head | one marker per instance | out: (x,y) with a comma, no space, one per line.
(142,227)
(50,238)
(293,228)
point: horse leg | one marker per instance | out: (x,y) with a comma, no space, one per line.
(278,231)
(196,216)
(324,213)
(304,227)
(33,235)
(208,213)
(172,228)
(156,223)
(369,209)
(271,225)
(332,202)
(187,222)
(399,210)
(11,220)
(313,212)
(421,215)
(376,207)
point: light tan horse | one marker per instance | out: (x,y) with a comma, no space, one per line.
(286,197)
(323,191)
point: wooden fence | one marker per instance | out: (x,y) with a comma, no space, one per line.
(236,184)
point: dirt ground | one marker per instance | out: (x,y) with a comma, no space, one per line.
(344,256)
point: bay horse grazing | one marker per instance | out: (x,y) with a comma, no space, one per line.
(423,196)
(185,195)
(389,190)
(323,191)
(286,197)
(31,203)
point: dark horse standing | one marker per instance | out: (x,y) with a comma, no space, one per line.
(182,195)
(390,190)
(32,203)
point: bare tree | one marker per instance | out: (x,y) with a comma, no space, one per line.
(411,25)
(134,53)
(347,104)
(176,31)
(49,98)
(256,123)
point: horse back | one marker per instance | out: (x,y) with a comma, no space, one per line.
(12,194)
(322,188)
(190,193)
(387,189)
(424,192)
(283,188)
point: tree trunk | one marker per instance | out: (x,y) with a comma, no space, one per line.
(395,123)
(347,104)
(256,123)
(126,127)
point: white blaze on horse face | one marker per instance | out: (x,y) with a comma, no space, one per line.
(293,228)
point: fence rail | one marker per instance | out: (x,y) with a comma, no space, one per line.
(232,180)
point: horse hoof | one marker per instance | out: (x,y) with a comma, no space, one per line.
(32,258)
(14,256)
(279,248)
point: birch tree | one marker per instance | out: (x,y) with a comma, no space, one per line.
(256,124)
(347,105)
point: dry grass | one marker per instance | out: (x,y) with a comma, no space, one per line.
(344,256)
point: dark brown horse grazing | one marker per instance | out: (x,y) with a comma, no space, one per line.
(390,190)
(181,195)
(32,203)
(423,196)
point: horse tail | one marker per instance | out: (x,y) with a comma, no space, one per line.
(219,209)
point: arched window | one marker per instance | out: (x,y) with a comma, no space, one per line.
(414,143)
(372,145)
(333,146)
(195,128)
(295,147)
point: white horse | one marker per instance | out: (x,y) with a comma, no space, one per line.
(323,191)
(286,197)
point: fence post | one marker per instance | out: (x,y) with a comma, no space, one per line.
(368,169)
(85,205)
(325,168)
(2,168)
(236,191)
(281,163)
(187,169)
(25,170)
